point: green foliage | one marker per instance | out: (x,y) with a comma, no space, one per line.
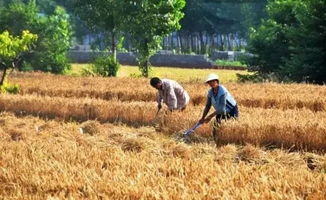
(249,78)
(86,71)
(98,14)
(53,30)
(9,88)
(229,63)
(222,16)
(45,6)
(51,53)
(147,22)
(106,66)
(257,78)
(251,14)
(270,47)
(290,43)
(26,67)
(135,75)
(102,16)
(11,49)
(25,16)
(307,44)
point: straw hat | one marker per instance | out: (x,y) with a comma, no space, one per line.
(211,77)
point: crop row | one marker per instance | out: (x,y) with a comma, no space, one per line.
(268,95)
(300,128)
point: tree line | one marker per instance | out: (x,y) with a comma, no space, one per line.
(289,45)
(286,37)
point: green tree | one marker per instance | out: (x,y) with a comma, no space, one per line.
(25,15)
(251,15)
(269,42)
(12,48)
(148,21)
(290,43)
(101,16)
(105,66)
(54,33)
(212,18)
(307,44)
(51,52)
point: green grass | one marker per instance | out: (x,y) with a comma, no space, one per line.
(180,74)
(229,63)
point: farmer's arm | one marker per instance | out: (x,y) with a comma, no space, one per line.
(222,107)
(209,117)
(159,100)
(206,110)
(223,104)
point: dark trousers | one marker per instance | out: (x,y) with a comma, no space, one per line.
(234,114)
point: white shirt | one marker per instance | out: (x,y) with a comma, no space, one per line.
(173,95)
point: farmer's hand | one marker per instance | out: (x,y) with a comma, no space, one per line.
(159,106)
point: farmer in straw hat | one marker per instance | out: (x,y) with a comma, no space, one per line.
(223,102)
(171,93)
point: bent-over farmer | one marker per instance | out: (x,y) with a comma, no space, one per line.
(223,102)
(171,93)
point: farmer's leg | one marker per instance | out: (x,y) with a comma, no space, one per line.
(235,112)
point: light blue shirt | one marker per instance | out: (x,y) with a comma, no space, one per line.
(223,102)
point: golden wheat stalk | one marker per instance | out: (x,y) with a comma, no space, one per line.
(117,162)
(302,128)
(268,95)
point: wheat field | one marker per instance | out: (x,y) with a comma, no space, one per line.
(67,137)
